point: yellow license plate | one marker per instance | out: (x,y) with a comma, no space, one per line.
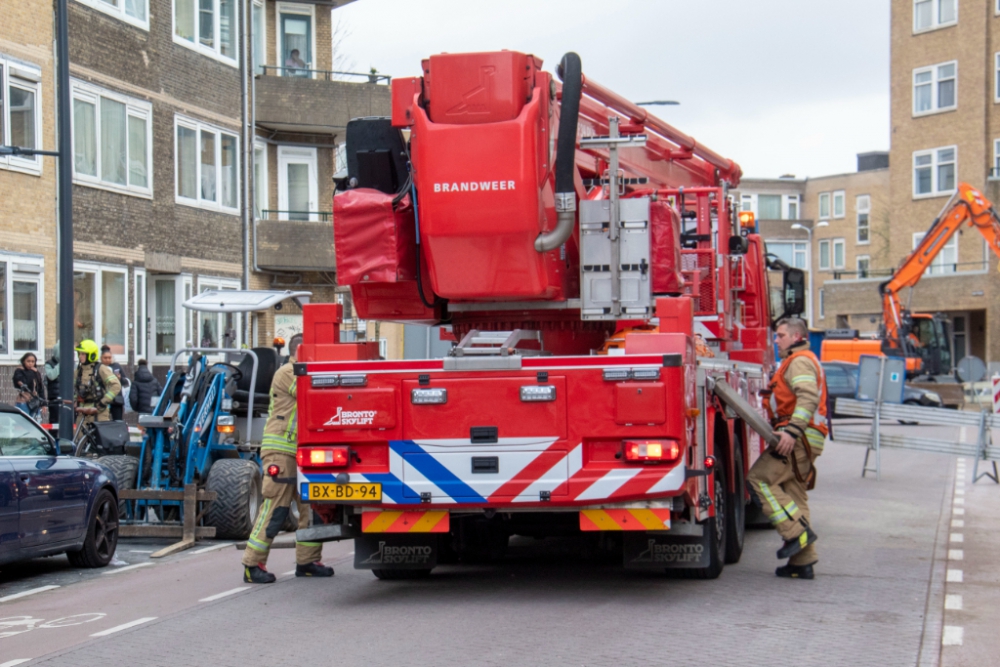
(349,491)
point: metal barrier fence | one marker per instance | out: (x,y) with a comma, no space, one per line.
(983,450)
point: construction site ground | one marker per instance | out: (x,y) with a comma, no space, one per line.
(907,576)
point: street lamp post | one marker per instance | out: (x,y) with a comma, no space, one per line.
(809,259)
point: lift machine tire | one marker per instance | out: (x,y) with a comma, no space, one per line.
(237,483)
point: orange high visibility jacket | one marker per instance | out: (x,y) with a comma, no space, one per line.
(784,408)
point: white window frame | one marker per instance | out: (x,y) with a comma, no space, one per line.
(935,13)
(27,77)
(857,265)
(934,165)
(262,34)
(863,205)
(839,196)
(829,206)
(822,303)
(803,250)
(134,108)
(383,348)
(23,268)
(829,256)
(199,127)
(838,243)
(789,202)
(119,11)
(935,82)
(748,203)
(937,266)
(995,171)
(97,270)
(258,188)
(298,155)
(210,283)
(996,76)
(140,314)
(212,52)
(304,10)
(182,316)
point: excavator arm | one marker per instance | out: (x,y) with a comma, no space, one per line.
(967,205)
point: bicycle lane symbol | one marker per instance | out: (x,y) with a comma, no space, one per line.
(16,625)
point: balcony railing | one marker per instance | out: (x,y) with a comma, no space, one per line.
(951,269)
(323,75)
(300,216)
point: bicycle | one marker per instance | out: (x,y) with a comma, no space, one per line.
(90,442)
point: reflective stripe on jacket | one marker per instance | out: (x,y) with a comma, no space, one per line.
(798,395)
(281,430)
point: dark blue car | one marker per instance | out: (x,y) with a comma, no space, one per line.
(52,502)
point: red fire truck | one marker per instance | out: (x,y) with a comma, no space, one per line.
(600,289)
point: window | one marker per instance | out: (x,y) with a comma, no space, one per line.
(21,320)
(218,329)
(824,205)
(140,317)
(746,201)
(261,186)
(296,37)
(996,77)
(207,26)
(822,304)
(792,207)
(863,206)
(934,171)
(792,253)
(931,14)
(838,253)
(995,171)
(20,114)
(112,140)
(22,437)
(169,321)
(946,260)
(297,183)
(824,255)
(769,207)
(863,263)
(100,301)
(838,204)
(207,166)
(259,37)
(135,12)
(383,348)
(934,88)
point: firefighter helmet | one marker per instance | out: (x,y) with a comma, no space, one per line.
(91,349)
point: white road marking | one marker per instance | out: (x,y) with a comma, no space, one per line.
(958,510)
(961,459)
(11,663)
(123,626)
(214,547)
(959,501)
(954,576)
(957,523)
(219,596)
(953,602)
(959,492)
(952,635)
(23,594)
(140,551)
(957,537)
(956,554)
(129,567)
(960,483)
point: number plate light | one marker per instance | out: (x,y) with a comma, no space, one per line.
(429,396)
(538,393)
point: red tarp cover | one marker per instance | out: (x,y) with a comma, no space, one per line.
(666,248)
(373,242)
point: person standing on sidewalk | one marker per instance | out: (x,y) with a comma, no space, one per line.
(117,406)
(145,388)
(785,472)
(52,385)
(30,387)
(278,448)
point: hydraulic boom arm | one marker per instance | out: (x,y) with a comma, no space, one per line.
(967,205)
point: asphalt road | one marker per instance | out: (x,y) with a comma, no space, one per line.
(889,551)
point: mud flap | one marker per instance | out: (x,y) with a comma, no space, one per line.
(395,552)
(656,551)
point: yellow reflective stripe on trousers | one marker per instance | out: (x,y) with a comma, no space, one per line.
(804,537)
(815,438)
(775,505)
(256,544)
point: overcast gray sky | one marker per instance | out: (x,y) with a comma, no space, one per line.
(780,86)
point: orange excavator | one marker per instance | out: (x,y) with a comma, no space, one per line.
(923,339)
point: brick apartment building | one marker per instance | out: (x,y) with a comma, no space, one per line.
(27,187)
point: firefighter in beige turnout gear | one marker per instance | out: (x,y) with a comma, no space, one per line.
(782,476)
(278,449)
(96,384)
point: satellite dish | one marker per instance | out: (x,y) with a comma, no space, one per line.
(971,369)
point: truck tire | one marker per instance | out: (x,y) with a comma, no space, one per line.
(102,533)
(736,508)
(291,523)
(400,575)
(237,485)
(126,470)
(716,528)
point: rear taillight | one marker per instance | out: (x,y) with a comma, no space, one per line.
(652,451)
(323,457)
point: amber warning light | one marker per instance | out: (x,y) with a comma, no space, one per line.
(747,220)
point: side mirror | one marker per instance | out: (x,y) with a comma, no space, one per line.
(794,291)
(738,245)
(66,447)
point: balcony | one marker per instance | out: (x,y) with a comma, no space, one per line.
(316,101)
(294,241)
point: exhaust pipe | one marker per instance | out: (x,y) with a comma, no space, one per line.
(571,73)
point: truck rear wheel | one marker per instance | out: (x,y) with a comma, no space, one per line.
(237,485)
(399,575)
(736,508)
(716,528)
(126,470)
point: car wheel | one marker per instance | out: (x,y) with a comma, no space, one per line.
(909,402)
(102,533)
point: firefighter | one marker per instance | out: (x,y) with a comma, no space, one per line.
(278,449)
(96,384)
(785,472)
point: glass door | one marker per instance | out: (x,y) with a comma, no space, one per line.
(296,51)
(297,186)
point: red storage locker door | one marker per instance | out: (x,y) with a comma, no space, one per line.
(373,242)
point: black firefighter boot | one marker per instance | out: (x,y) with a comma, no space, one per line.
(257,574)
(795,545)
(316,569)
(795,571)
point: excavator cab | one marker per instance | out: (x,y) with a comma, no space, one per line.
(929,337)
